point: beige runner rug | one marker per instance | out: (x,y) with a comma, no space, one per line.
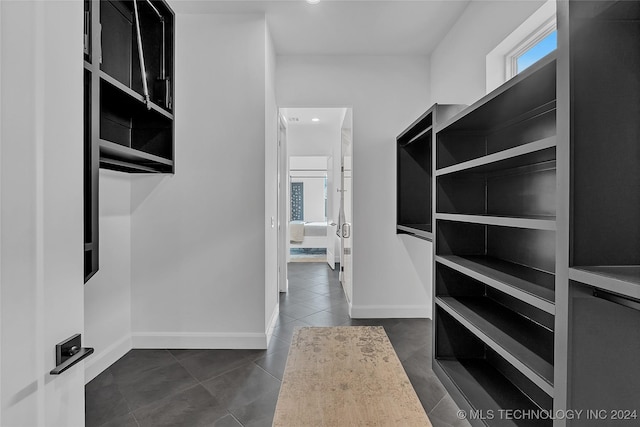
(346,376)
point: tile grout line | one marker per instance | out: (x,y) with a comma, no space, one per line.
(436,405)
(267,372)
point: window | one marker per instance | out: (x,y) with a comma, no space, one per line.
(529,42)
(532,50)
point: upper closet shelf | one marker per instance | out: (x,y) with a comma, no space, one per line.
(534,223)
(623,280)
(425,132)
(528,154)
(134,95)
(530,93)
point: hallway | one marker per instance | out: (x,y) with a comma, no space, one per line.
(232,388)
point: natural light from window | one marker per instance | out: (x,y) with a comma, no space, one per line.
(539,50)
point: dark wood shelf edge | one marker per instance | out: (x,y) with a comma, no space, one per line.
(501,221)
(422,133)
(118,157)
(415,232)
(499,91)
(133,94)
(415,123)
(466,399)
(606,278)
(500,156)
(500,281)
(481,333)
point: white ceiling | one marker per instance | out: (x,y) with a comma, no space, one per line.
(302,116)
(345,27)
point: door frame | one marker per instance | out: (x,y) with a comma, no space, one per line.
(283,196)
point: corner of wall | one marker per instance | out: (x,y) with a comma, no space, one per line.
(106,357)
(107,295)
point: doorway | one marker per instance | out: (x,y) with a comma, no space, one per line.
(315,192)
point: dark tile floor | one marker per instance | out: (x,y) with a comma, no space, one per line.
(227,388)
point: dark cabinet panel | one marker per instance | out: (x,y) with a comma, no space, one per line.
(128,121)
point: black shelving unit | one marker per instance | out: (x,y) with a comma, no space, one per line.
(136,114)
(415,172)
(480,380)
(495,248)
(600,104)
(129,122)
(536,210)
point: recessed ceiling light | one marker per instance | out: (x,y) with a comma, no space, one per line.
(313,1)
(315,119)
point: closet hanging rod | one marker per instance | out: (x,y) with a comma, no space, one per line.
(155,10)
(618,299)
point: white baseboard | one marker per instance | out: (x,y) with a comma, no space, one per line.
(208,340)
(272,323)
(101,359)
(390,311)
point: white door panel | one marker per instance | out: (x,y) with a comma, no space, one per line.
(346,220)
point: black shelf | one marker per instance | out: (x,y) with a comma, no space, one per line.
(125,159)
(127,122)
(414,170)
(422,231)
(119,48)
(127,117)
(623,279)
(479,378)
(531,248)
(495,247)
(530,285)
(541,151)
(134,95)
(414,162)
(521,112)
(129,126)
(530,222)
(523,343)
(527,95)
(487,390)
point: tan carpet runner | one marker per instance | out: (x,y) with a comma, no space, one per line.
(346,376)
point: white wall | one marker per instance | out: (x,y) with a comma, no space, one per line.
(107,295)
(312,140)
(387,94)
(198,237)
(41,281)
(458,64)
